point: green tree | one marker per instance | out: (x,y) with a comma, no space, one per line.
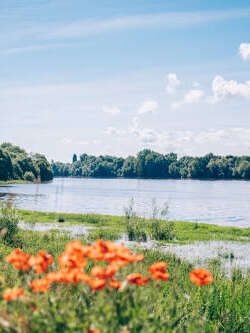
(6,167)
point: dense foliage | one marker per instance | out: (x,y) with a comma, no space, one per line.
(150,164)
(16,164)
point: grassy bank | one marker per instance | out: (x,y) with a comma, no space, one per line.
(176,305)
(17,181)
(110,227)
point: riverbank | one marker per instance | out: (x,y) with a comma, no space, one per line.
(111,227)
(15,181)
(160,306)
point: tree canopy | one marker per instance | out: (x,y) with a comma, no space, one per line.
(16,163)
(150,164)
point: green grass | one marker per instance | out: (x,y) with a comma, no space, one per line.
(17,181)
(184,231)
(173,306)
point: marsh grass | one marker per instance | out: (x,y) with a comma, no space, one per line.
(173,306)
(155,228)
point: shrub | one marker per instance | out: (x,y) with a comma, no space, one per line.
(29,176)
(60,219)
(8,222)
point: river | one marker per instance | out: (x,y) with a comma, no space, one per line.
(224,203)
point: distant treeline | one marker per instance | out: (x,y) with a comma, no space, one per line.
(17,164)
(150,164)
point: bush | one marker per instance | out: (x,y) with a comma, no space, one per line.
(8,222)
(29,176)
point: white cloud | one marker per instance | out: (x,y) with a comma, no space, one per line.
(196,142)
(172,83)
(31,48)
(148,106)
(222,88)
(196,84)
(114,131)
(193,96)
(166,20)
(244,51)
(83,143)
(66,140)
(112,110)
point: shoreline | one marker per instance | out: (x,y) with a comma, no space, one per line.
(186,232)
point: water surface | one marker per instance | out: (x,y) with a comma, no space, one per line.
(221,202)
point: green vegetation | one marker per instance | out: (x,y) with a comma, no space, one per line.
(9,220)
(176,305)
(184,231)
(17,166)
(16,181)
(150,164)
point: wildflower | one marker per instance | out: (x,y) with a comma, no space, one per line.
(98,272)
(137,279)
(19,260)
(41,262)
(158,266)
(73,256)
(41,285)
(158,271)
(115,284)
(104,273)
(93,331)
(12,294)
(97,284)
(200,277)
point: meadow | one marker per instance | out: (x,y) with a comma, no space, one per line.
(170,304)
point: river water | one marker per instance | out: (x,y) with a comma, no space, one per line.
(224,203)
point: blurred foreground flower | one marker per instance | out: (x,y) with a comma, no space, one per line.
(200,277)
(12,294)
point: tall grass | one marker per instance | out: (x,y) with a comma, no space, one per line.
(9,220)
(156,228)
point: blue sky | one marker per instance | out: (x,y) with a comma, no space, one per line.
(114,76)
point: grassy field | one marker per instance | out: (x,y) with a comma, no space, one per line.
(111,227)
(176,305)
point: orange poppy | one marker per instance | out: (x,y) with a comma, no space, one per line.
(19,260)
(157,275)
(158,271)
(158,266)
(115,284)
(201,276)
(12,294)
(137,279)
(41,262)
(97,284)
(41,285)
